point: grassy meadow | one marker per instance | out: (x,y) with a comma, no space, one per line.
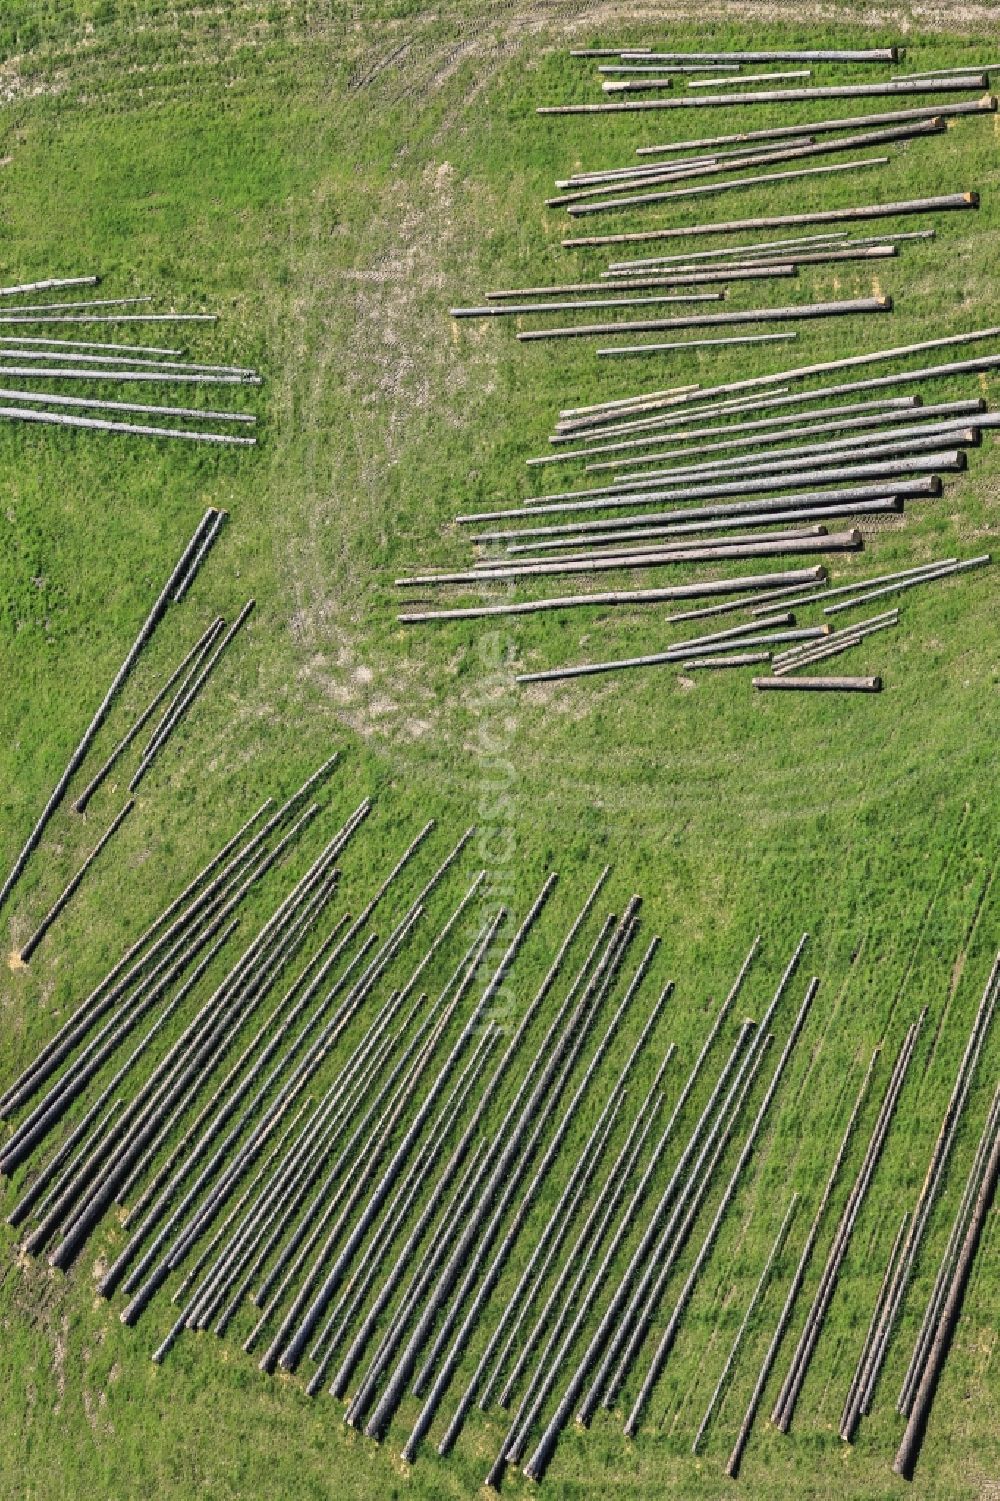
(331,180)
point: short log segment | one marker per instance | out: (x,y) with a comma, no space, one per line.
(822,685)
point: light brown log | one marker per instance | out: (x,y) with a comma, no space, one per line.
(739,659)
(705,589)
(973,83)
(660,659)
(944,203)
(666,279)
(716,320)
(823,685)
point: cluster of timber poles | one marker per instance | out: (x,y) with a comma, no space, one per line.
(62,362)
(325,1134)
(166,711)
(749,480)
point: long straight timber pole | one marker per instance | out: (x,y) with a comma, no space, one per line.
(706,589)
(864,212)
(527,309)
(769,431)
(752,1306)
(149,625)
(664,348)
(201,645)
(909,1448)
(50,398)
(973,84)
(727,185)
(986,105)
(66,896)
(51,284)
(766,429)
(781,378)
(715,320)
(946,572)
(856,55)
(666,278)
(736,1456)
(859,1400)
(130,429)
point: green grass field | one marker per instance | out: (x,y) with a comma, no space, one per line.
(331,180)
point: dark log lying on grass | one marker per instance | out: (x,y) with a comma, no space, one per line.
(308,1307)
(784,1408)
(659,659)
(208,542)
(201,1203)
(849,1413)
(152,620)
(166,729)
(859,1401)
(493,1273)
(822,685)
(66,895)
(581,1303)
(200,646)
(178,1068)
(510,1164)
(791,578)
(691,1180)
(51,1174)
(755,1300)
(684,534)
(715,320)
(742,1437)
(909,1448)
(935,1302)
(542,1256)
(136,956)
(537,1463)
(669,1335)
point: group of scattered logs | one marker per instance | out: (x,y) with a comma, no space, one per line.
(174,698)
(328,1131)
(740,479)
(59,358)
